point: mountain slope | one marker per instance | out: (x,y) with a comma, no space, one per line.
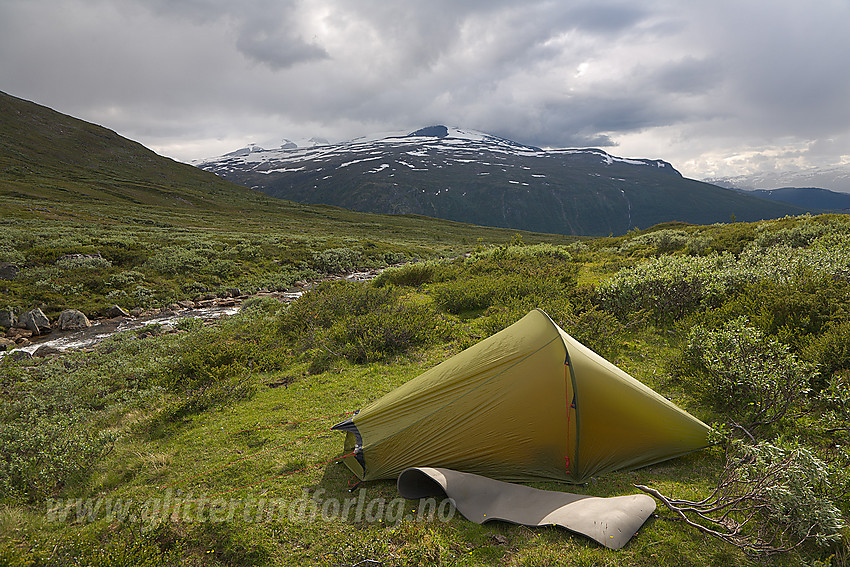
(835,178)
(806,197)
(58,169)
(474,177)
(46,154)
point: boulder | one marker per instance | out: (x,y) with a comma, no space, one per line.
(116,311)
(19,355)
(7,344)
(8,271)
(67,257)
(46,350)
(7,318)
(17,332)
(36,321)
(72,319)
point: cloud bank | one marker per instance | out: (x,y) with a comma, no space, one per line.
(716,87)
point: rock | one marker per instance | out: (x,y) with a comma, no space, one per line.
(186,304)
(36,321)
(116,311)
(22,342)
(18,333)
(7,318)
(67,257)
(8,271)
(19,355)
(72,319)
(234,292)
(7,344)
(46,350)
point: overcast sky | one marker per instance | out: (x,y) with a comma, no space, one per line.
(717,87)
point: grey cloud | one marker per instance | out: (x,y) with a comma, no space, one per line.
(604,17)
(726,77)
(688,76)
(277,50)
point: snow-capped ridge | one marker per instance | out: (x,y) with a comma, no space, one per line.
(435,139)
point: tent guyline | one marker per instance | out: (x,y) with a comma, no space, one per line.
(258,453)
(528,403)
(285,423)
(255,483)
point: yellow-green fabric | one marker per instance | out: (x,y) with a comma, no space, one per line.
(502,409)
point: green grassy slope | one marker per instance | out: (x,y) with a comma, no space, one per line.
(48,155)
(230,422)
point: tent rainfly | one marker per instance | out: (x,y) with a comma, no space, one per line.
(528,403)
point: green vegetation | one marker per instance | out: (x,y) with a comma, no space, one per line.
(209,444)
(237,412)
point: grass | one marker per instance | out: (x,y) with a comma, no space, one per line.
(155,256)
(238,413)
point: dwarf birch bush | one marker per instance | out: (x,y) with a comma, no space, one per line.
(771,498)
(752,377)
(671,287)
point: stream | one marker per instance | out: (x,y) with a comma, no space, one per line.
(103,328)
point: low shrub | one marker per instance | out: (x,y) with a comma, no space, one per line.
(337,260)
(659,242)
(794,311)
(411,275)
(480,292)
(670,287)
(330,301)
(745,374)
(831,349)
(361,323)
(386,331)
(83,263)
(43,452)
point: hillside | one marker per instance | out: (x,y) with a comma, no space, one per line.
(164,230)
(48,155)
(833,178)
(806,197)
(470,176)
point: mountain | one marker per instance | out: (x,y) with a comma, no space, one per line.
(48,155)
(835,178)
(473,177)
(806,197)
(58,169)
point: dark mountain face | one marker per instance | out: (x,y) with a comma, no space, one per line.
(477,178)
(812,198)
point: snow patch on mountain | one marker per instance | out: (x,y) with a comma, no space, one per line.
(433,146)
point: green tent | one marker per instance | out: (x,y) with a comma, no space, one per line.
(528,403)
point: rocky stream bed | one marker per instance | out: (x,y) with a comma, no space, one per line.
(32,334)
